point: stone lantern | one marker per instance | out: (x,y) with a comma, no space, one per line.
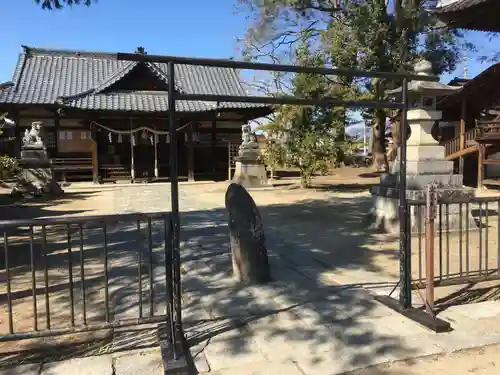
(426,162)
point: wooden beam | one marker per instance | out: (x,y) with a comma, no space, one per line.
(491,161)
(190,152)
(464,152)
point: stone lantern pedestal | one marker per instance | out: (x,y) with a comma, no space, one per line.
(36,170)
(250,172)
(426,164)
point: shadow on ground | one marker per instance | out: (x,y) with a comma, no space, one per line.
(302,316)
(14,209)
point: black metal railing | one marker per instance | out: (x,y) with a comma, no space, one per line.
(69,275)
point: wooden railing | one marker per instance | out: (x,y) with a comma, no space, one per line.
(453,145)
(489,128)
(471,135)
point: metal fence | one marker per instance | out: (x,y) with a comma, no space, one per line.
(80,318)
(454,241)
(69,275)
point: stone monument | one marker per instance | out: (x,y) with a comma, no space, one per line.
(36,173)
(426,163)
(250,172)
(248,244)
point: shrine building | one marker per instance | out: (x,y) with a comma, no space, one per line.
(105,119)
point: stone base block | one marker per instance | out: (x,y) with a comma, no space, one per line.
(433,167)
(250,175)
(36,182)
(416,182)
(385,211)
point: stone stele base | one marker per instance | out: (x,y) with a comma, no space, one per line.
(385,212)
(250,174)
(36,175)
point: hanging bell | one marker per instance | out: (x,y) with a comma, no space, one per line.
(120,138)
(144,135)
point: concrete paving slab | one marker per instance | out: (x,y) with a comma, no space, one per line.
(355,355)
(263,368)
(146,363)
(22,370)
(466,339)
(199,358)
(338,308)
(393,325)
(101,365)
(481,310)
(235,302)
(193,312)
(282,337)
(232,349)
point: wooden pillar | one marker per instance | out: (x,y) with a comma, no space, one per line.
(95,159)
(17,135)
(132,162)
(155,143)
(57,128)
(213,146)
(463,114)
(480,166)
(190,152)
(229,160)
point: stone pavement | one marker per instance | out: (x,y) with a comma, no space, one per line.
(125,363)
(301,323)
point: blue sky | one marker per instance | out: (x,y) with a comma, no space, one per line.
(201,28)
(193,28)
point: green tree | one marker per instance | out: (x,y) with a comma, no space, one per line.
(307,138)
(58,4)
(377,35)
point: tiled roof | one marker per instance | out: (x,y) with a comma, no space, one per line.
(481,15)
(146,101)
(459,5)
(78,79)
